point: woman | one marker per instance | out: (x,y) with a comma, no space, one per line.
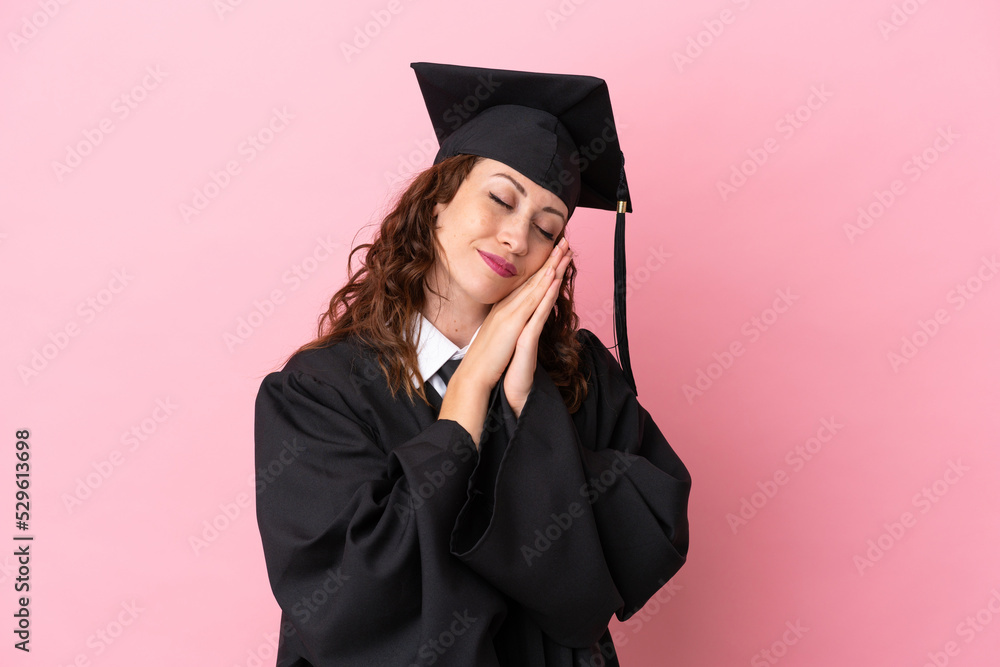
(502,511)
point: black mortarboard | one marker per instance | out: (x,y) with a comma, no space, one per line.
(556,129)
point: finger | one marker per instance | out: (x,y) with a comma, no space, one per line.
(527,296)
(558,252)
(536,322)
(550,275)
(555,274)
(541,314)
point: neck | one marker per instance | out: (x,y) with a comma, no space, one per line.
(454,317)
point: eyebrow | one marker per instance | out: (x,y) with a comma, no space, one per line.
(524,193)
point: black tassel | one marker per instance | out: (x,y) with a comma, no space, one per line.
(621,329)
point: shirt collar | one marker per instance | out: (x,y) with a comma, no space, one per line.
(434,348)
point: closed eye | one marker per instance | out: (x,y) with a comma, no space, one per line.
(501,202)
(510,208)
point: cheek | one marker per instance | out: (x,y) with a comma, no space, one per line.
(539,257)
(471,224)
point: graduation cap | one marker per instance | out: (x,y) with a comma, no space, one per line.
(556,129)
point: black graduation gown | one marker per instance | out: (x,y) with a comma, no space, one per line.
(390,541)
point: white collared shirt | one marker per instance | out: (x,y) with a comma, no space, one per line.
(433,349)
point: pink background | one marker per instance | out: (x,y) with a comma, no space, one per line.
(159,350)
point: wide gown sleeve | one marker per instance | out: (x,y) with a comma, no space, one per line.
(586,514)
(355,538)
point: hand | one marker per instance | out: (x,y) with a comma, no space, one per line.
(515,322)
(521,372)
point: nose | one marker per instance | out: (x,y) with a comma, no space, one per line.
(514,233)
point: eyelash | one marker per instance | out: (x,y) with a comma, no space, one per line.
(511,208)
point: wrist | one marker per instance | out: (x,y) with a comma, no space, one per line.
(467,379)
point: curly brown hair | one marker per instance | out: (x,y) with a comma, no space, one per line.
(382,297)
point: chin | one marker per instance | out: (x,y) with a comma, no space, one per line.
(488,295)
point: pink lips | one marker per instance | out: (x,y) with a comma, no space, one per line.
(499,264)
